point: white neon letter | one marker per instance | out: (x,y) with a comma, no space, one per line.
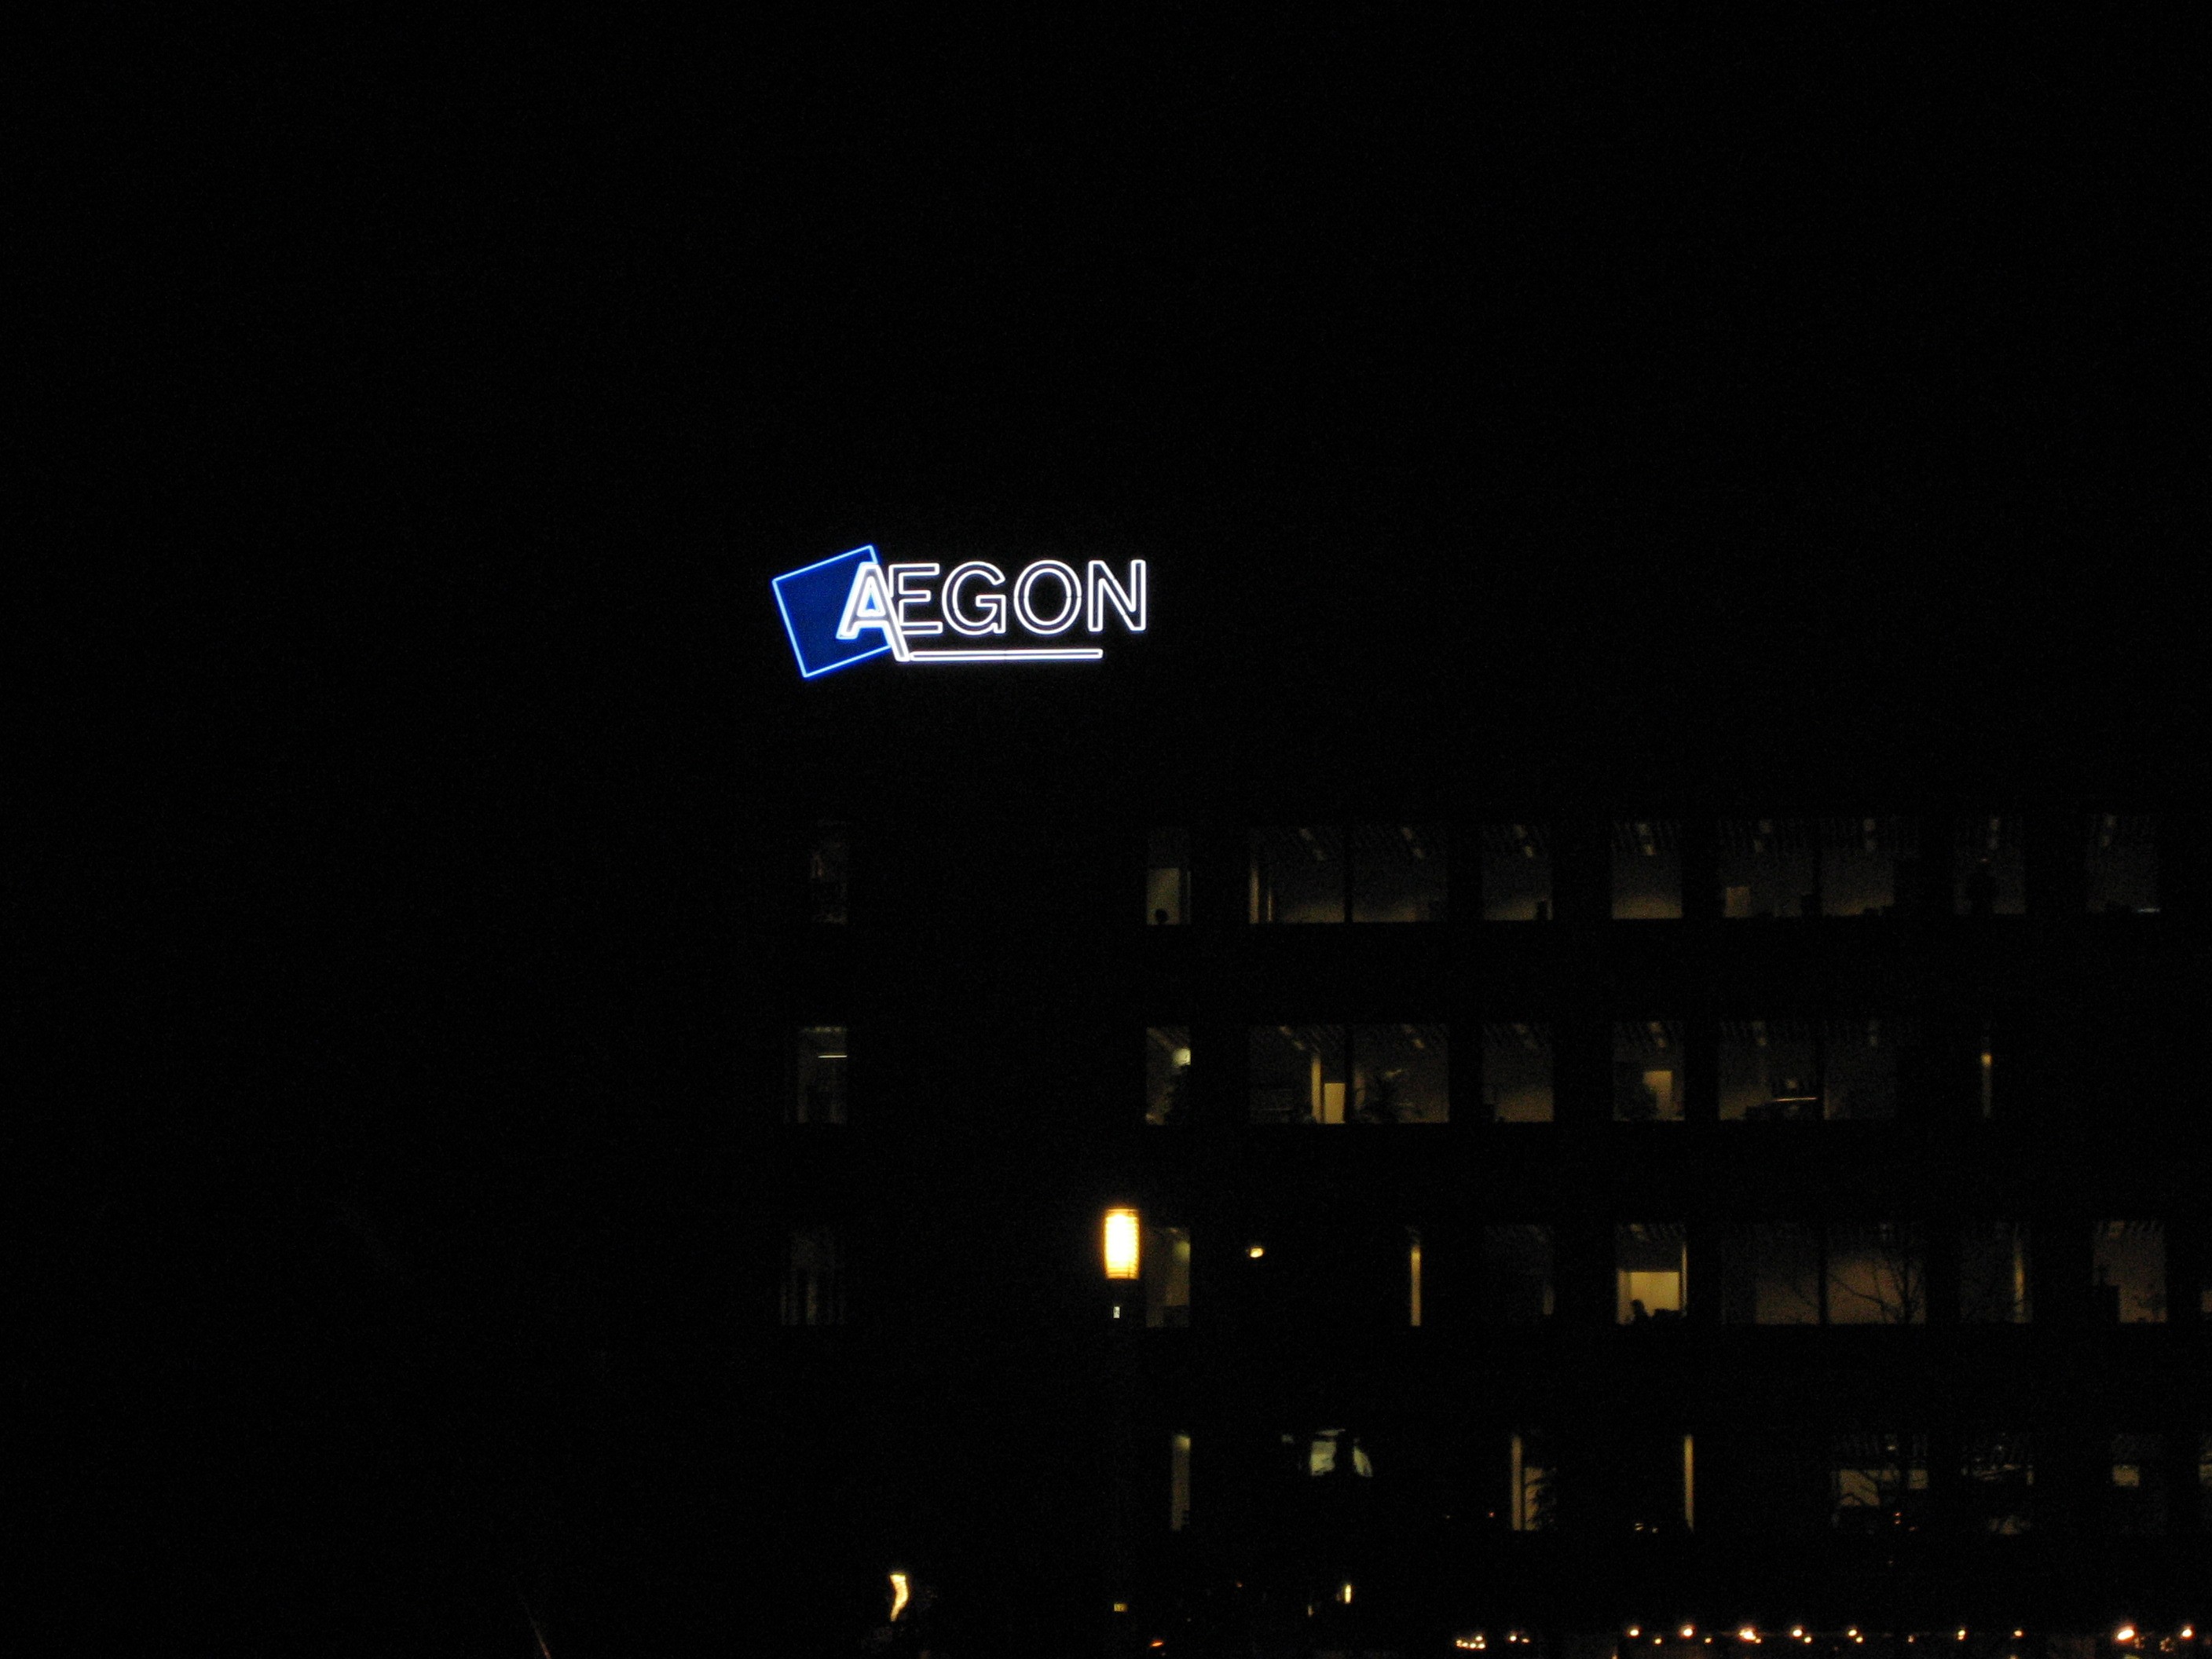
(1024,583)
(868,605)
(991,607)
(1101,590)
(902,596)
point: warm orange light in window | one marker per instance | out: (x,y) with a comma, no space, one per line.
(1121,1243)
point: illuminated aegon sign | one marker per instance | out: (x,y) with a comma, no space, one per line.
(848,609)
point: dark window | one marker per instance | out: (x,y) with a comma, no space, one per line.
(1997,1474)
(1517,1274)
(819,1096)
(2122,865)
(1989,868)
(1995,1271)
(813,1278)
(828,858)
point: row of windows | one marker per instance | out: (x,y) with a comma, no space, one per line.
(1790,1272)
(1780,1070)
(1759,868)
(1769,1071)
(1855,1482)
(1797,1272)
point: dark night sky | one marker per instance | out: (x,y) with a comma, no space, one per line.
(1666,396)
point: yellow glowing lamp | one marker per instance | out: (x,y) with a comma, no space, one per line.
(1121,1243)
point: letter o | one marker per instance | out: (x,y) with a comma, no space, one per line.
(1024,583)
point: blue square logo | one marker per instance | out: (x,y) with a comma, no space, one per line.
(812,600)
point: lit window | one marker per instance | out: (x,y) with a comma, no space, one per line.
(1167,1074)
(1166,877)
(1531,1496)
(1799,1071)
(813,1278)
(1516,1071)
(1365,1074)
(1651,1272)
(2130,1265)
(1413,1276)
(1178,1482)
(1399,872)
(1517,873)
(1875,1274)
(1297,874)
(1166,1260)
(1647,1071)
(1877,1483)
(1793,1272)
(1647,870)
(819,1096)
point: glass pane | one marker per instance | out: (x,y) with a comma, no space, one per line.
(1768,867)
(2122,865)
(1167,1074)
(1297,1074)
(1651,1272)
(820,1095)
(1877,1274)
(1297,874)
(1398,872)
(1647,1071)
(1860,860)
(1166,877)
(1164,1263)
(813,1280)
(1770,1072)
(1771,1275)
(1989,868)
(827,859)
(1994,1272)
(1517,1274)
(1999,1481)
(1400,1075)
(1517,873)
(1516,1071)
(1878,1483)
(2131,1269)
(1647,870)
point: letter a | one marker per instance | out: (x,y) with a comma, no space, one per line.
(868,605)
